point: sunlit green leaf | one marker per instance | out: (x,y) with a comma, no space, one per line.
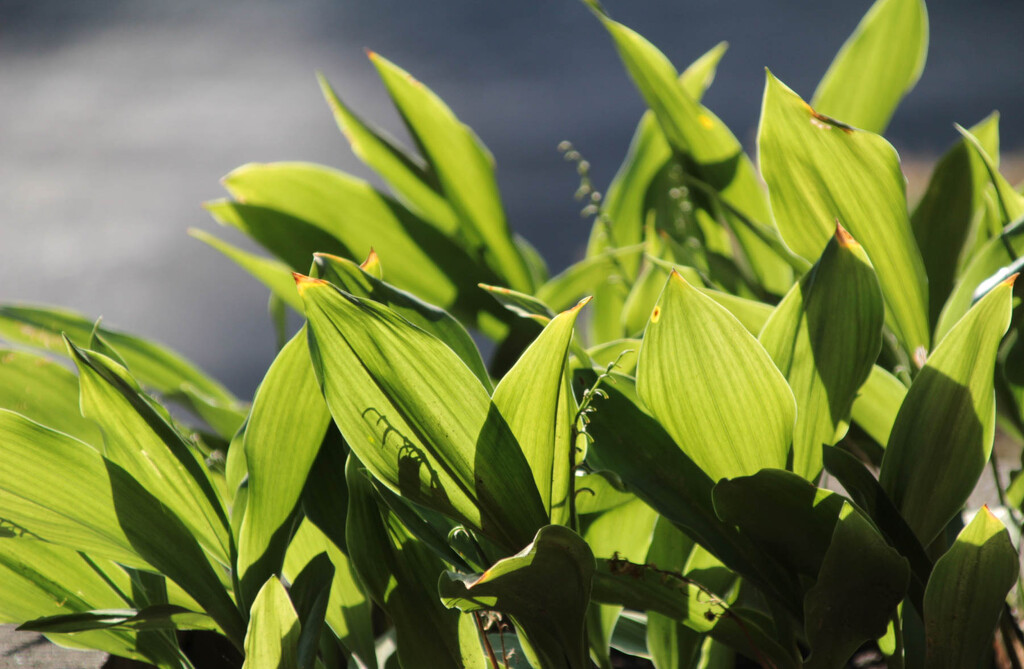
(545,588)
(406,175)
(417,417)
(824,337)
(966,593)
(272,640)
(712,386)
(285,429)
(712,154)
(943,433)
(877,403)
(536,400)
(820,172)
(464,170)
(273,274)
(879,63)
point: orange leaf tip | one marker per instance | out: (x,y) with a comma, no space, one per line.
(302,282)
(582,303)
(371,259)
(1008,281)
(844,238)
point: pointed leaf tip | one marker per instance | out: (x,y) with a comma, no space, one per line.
(302,282)
(586,300)
(1008,281)
(371,259)
(844,238)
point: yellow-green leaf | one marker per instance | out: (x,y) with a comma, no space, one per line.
(273,274)
(417,417)
(878,401)
(820,172)
(824,337)
(943,433)
(712,386)
(272,640)
(966,593)
(464,169)
(536,400)
(878,65)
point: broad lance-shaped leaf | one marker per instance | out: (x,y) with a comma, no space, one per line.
(433,266)
(40,389)
(878,65)
(967,592)
(712,386)
(536,400)
(416,416)
(348,607)
(406,175)
(820,171)
(273,274)
(355,280)
(943,433)
(624,207)
(464,169)
(825,336)
(285,429)
(139,439)
(546,590)
(944,217)
(995,254)
(877,403)
(861,581)
(272,640)
(710,152)
(103,511)
(155,366)
(398,572)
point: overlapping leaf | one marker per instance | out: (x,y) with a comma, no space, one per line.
(943,433)
(820,171)
(712,386)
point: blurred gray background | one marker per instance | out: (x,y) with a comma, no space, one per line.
(118,118)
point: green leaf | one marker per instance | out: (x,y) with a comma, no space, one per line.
(521,304)
(824,337)
(285,429)
(967,591)
(663,476)
(353,279)
(155,366)
(272,640)
(786,516)
(712,386)
(432,266)
(861,582)
(536,400)
(712,154)
(995,254)
(46,392)
(943,433)
(626,531)
(545,588)
(139,439)
(943,220)
(273,274)
(159,617)
(624,208)
(877,403)
(349,609)
(398,573)
(670,643)
(291,239)
(418,418)
(464,170)
(643,588)
(566,288)
(820,172)
(878,65)
(412,181)
(310,591)
(105,512)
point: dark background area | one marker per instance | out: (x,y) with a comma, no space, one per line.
(117,119)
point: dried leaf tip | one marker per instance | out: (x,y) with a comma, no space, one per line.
(844,238)
(370,53)
(372,259)
(1008,281)
(302,282)
(582,303)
